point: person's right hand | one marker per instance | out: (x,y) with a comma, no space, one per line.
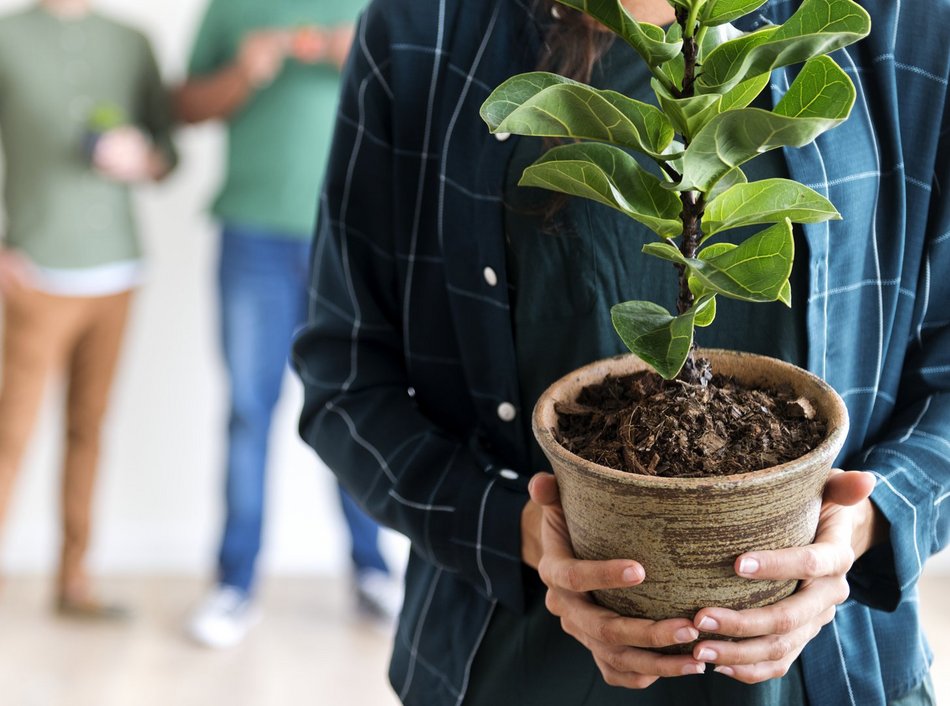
(621,646)
(262,55)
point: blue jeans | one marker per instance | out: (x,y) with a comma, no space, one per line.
(263,282)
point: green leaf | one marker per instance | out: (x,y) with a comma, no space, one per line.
(697,288)
(818,27)
(647,39)
(706,314)
(755,271)
(547,105)
(766,201)
(743,94)
(688,115)
(610,176)
(659,339)
(820,98)
(709,252)
(786,295)
(821,89)
(719,12)
(667,252)
(727,181)
(729,59)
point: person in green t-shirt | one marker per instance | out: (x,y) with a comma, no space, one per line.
(83,114)
(271,71)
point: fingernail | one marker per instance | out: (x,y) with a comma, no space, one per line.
(748,566)
(693,668)
(707,655)
(725,671)
(709,624)
(632,575)
(686,634)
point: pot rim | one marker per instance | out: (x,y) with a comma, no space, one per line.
(827,450)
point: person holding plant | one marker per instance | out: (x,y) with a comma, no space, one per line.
(446,298)
(71,256)
(271,70)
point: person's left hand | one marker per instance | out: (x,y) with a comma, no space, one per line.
(774,636)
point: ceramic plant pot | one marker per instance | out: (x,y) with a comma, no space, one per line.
(687,532)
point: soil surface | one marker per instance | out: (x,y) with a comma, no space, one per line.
(641,423)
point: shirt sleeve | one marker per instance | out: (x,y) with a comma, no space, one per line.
(212,48)
(154,109)
(912,460)
(407,471)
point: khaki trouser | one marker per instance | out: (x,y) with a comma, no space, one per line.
(44,336)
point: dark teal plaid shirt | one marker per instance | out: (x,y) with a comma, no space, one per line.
(409,365)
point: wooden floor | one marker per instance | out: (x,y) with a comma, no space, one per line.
(309,650)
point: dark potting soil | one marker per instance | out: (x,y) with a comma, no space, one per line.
(644,424)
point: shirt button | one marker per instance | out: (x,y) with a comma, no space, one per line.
(508,474)
(490,276)
(507,412)
(502,136)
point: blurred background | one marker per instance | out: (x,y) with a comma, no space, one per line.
(159,511)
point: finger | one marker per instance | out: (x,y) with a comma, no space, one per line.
(543,489)
(634,661)
(824,558)
(757,650)
(627,681)
(849,487)
(559,569)
(780,618)
(582,617)
(639,662)
(756,673)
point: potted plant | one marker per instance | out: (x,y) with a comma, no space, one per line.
(670,500)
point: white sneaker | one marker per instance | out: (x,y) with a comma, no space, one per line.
(378,594)
(223,618)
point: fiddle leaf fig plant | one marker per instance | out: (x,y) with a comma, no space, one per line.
(700,133)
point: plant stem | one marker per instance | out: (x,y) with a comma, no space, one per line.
(690,26)
(693,205)
(693,201)
(690,54)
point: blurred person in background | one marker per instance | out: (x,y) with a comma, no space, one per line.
(271,70)
(83,115)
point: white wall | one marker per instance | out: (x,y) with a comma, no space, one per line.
(158,505)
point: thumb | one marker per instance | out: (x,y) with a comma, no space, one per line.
(849,487)
(543,489)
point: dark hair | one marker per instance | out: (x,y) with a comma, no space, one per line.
(572,43)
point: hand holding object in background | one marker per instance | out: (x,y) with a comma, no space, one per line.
(339,40)
(126,154)
(315,45)
(309,44)
(262,55)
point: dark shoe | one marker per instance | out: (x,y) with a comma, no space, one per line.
(91,609)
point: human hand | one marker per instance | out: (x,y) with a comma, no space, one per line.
(126,154)
(774,636)
(339,41)
(15,273)
(261,56)
(309,45)
(621,646)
